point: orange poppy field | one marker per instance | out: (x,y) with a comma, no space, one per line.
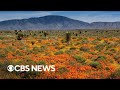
(76,54)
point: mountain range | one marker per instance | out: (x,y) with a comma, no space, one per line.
(54,22)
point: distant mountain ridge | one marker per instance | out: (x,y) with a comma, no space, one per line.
(54,22)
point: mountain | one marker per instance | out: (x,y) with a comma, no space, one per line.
(105,25)
(54,22)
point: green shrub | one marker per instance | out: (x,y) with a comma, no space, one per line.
(85,49)
(84,41)
(41,62)
(72,63)
(77,43)
(62,70)
(63,41)
(20,36)
(116,74)
(19,53)
(107,68)
(101,58)
(95,64)
(37,49)
(99,47)
(72,48)
(68,51)
(2,55)
(113,50)
(116,57)
(32,42)
(79,59)
(59,52)
(1,38)
(10,49)
(109,53)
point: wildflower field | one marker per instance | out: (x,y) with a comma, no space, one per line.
(76,54)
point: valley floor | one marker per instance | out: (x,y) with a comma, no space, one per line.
(82,54)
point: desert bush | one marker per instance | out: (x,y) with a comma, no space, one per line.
(77,43)
(1,38)
(84,48)
(62,70)
(107,68)
(63,41)
(19,53)
(109,53)
(100,58)
(37,49)
(113,50)
(79,59)
(95,41)
(115,75)
(9,49)
(41,62)
(58,52)
(84,41)
(2,55)
(99,47)
(32,42)
(73,48)
(72,63)
(20,36)
(116,57)
(76,34)
(69,51)
(95,64)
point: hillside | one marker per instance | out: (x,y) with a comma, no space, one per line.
(54,22)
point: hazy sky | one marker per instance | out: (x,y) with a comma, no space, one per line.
(87,16)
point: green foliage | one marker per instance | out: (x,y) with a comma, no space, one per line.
(84,48)
(19,53)
(72,63)
(113,50)
(41,62)
(38,49)
(1,38)
(59,52)
(63,41)
(107,68)
(101,58)
(79,59)
(99,47)
(62,70)
(2,55)
(73,48)
(69,51)
(116,57)
(84,41)
(20,36)
(116,74)
(9,49)
(95,64)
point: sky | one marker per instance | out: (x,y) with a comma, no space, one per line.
(86,16)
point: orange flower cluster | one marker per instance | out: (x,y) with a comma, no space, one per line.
(55,50)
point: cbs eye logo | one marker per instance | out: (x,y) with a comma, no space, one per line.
(10,68)
(18,68)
